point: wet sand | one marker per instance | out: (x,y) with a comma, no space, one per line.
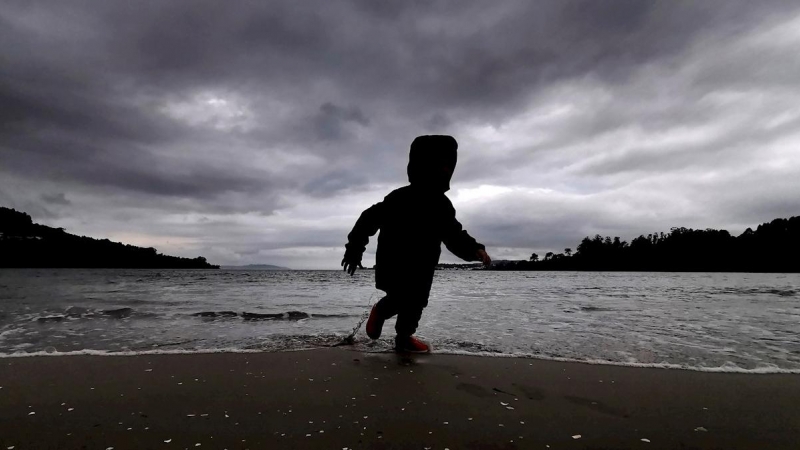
(336,398)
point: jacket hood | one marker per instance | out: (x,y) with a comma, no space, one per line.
(431,161)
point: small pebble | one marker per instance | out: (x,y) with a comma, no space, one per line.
(577,436)
(645,440)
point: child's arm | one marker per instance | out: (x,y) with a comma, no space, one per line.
(366,225)
(458,241)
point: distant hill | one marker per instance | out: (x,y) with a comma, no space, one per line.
(256,267)
(772,247)
(27,244)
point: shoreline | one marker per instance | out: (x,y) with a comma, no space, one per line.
(324,398)
(733,369)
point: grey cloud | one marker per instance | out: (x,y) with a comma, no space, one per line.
(351,114)
(110,102)
(56,199)
(332,120)
(332,183)
(438,121)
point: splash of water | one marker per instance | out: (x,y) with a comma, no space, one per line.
(350,339)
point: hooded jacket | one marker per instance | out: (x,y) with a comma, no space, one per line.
(414,221)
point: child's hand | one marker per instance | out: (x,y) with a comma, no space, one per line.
(350,265)
(484,257)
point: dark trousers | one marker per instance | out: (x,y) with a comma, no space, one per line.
(408,308)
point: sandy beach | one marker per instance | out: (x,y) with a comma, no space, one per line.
(336,399)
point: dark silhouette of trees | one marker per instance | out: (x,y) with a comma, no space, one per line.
(534,257)
(772,247)
(27,244)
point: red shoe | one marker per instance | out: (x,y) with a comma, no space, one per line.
(411,345)
(374,323)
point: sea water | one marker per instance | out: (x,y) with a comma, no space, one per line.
(702,321)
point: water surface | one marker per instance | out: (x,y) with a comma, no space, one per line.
(704,321)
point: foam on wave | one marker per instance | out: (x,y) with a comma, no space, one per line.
(302,343)
(77,312)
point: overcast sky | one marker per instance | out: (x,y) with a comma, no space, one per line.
(258,133)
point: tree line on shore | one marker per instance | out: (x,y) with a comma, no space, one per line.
(27,244)
(772,247)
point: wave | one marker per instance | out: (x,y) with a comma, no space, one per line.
(788,292)
(76,312)
(285,343)
(251,316)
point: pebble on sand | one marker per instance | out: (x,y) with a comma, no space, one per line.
(577,436)
(645,440)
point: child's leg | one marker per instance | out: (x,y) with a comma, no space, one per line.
(388,306)
(410,311)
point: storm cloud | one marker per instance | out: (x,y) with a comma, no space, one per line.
(257,133)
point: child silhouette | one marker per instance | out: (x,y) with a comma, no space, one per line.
(414,220)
